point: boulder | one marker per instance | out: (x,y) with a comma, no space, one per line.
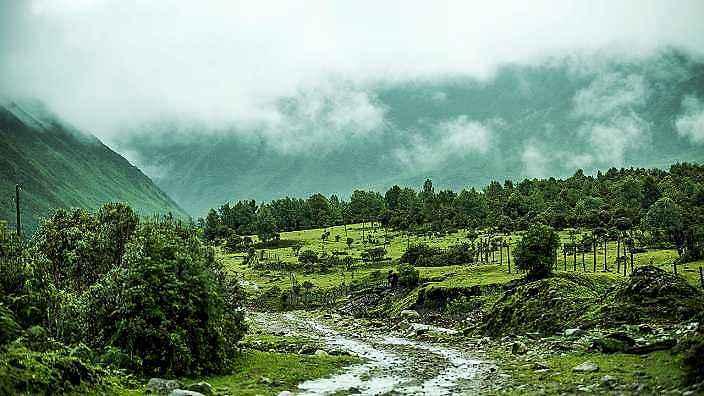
(574,332)
(409,314)
(160,386)
(519,348)
(321,352)
(201,387)
(285,393)
(586,367)
(184,392)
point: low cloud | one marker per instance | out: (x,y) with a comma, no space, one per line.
(535,163)
(691,123)
(611,140)
(324,117)
(610,123)
(450,139)
(610,93)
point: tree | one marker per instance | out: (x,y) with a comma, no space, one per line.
(535,251)
(665,215)
(265,225)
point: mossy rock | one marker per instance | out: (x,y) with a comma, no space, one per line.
(546,306)
(649,295)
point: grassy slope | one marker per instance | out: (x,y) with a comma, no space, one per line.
(459,276)
(61,167)
(659,369)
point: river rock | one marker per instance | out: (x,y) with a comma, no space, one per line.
(574,332)
(586,367)
(285,393)
(519,348)
(160,386)
(608,381)
(201,387)
(320,352)
(409,314)
(184,392)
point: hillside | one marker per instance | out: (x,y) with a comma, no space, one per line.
(525,121)
(59,166)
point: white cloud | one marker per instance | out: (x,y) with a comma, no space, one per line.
(450,139)
(108,64)
(535,163)
(611,140)
(609,94)
(691,123)
(323,118)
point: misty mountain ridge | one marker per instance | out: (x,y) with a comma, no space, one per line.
(525,121)
(60,166)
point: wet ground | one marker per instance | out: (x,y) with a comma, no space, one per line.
(393,363)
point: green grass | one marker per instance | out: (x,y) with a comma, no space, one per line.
(450,276)
(658,369)
(284,370)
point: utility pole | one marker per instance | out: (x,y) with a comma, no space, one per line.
(17,209)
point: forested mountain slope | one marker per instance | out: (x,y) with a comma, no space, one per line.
(59,166)
(525,121)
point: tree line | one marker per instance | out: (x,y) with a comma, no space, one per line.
(668,203)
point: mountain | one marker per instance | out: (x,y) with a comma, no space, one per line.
(525,121)
(59,166)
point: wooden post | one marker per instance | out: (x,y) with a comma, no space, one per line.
(574,256)
(508,256)
(632,259)
(594,245)
(606,247)
(564,257)
(501,254)
(674,268)
(701,276)
(17,210)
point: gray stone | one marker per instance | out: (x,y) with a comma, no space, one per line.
(285,393)
(184,392)
(608,381)
(519,348)
(586,367)
(320,352)
(409,314)
(201,387)
(160,386)
(574,332)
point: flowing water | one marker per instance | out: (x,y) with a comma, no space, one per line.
(393,364)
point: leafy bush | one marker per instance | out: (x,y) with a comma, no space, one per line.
(170,306)
(535,252)
(308,257)
(416,251)
(374,254)
(693,358)
(81,247)
(407,275)
(422,255)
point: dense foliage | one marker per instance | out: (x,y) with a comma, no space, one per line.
(650,200)
(146,296)
(424,255)
(535,252)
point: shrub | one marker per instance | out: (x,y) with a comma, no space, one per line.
(693,358)
(170,306)
(416,251)
(308,257)
(81,247)
(535,252)
(408,275)
(374,254)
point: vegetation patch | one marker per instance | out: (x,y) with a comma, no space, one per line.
(546,306)
(649,295)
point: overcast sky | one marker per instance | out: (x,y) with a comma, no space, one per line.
(105,65)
